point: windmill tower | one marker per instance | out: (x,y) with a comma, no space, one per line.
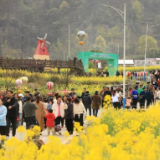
(41,50)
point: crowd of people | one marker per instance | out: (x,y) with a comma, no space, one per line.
(52,111)
(56,111)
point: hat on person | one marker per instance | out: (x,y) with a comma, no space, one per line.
(20,95)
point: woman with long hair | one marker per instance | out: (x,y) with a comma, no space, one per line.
(45,102)
(96,103)
(79,111)
(58,110)
(40,112)
(152,90)
(115,100)
(20,96)
(112,90)
(69,116)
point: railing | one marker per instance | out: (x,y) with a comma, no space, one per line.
(33,64)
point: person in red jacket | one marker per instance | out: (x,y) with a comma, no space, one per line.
(159,82)
(50,121)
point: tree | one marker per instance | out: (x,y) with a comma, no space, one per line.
(157,19)
(96,48)
(58,51)
(32,18)
(114,33)
(102,31)
(9,52)
(64,6)
(9,76)
(138,9)
(100,41)
(152,43)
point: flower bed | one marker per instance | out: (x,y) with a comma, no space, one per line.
(97,80)
(117,135)
(140,68)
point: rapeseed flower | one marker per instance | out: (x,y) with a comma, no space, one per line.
(116,135)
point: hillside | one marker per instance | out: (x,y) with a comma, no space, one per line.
(31,19)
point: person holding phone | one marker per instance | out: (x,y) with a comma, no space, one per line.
(12,112)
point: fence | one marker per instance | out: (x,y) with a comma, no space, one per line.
(35,65)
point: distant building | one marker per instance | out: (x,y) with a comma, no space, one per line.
(128,62)
(149,62)
(156,62)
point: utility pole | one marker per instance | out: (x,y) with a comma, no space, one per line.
(146,41)
(123,15)
(69,41)
(118,48)
(21,46)
(124,58)
(21,33)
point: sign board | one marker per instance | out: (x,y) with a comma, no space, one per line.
(110,57)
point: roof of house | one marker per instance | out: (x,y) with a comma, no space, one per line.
(127,61)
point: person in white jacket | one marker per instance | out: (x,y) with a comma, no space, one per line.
(20,96)
(58,110)
(79,111)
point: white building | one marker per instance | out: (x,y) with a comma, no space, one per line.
(128,62)
(156,62)
(149,62)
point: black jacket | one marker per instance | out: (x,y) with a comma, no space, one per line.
(83,94)
(148,95)
(86,99)
(72,94)
(69,111)
(106,93)
(14,111)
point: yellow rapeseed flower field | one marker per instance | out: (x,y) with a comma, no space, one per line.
(39,80)
(139,68)
(115,135)
(97,80)
(131,69)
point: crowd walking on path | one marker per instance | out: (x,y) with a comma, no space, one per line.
(55,111)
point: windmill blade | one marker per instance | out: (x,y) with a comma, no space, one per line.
(45,36)
(42,45)
(39,38)
(48,42)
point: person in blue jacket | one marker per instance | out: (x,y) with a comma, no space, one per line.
(134,98)
(3,124)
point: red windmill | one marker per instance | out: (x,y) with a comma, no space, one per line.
(41,50)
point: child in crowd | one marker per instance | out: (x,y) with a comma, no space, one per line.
(128,103)
(50,121)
